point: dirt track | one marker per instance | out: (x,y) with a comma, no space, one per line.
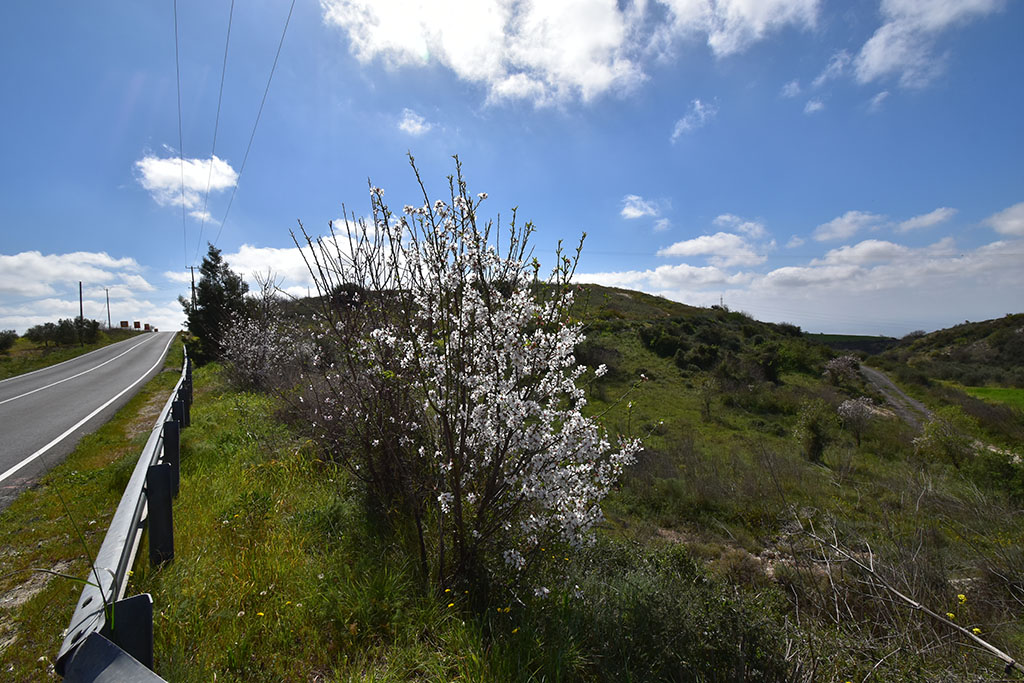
(912,411)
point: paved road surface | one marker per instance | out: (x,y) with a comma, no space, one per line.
(43,414)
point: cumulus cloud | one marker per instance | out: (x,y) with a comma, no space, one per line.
(752,229)
(1008,221)
(413,124)
(846,226)
(813,106)
(162,177)
(38,288)
(873,287)
(732,26)
(927,220)
(868,251)
(548,52)
(699,114)
(34,274)
(905,45)
(635,206)
(722,249)
(794,242)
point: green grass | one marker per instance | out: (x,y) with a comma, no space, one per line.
(26,356)
(35,531)
(1011,397)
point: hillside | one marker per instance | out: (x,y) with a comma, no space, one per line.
(728,550)
(990,352)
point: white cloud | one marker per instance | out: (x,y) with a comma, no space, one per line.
(791,89)
(845,226)
(733,25)
(33,274)
(549,52)
(835,68)
(722,249)
(813,106)
(699,114)
(794,242)
(49,282)
(874,287)
(876,102)
(1009,221)
(635,206)
(752,229)
(662,224)
(181,278)
(905,45)
(927,220)
(162,177)
(862,253)
(413,124)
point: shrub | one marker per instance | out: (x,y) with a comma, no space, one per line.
(856,414)
(949,435)
(7,339)
(454,396)
(814,428)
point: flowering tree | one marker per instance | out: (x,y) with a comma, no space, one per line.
(446,378)
(842,369)
(856,414)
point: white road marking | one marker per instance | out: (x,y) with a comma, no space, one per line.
(84,372)
(85,419)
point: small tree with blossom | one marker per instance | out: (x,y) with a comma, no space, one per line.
(446,381)
(842,369)
(856,414)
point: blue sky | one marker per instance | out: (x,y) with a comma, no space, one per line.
(845,166)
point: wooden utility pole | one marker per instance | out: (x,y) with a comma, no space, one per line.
(193,270)
(81,314)
(108,307)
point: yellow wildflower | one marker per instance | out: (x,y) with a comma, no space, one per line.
(976,631)
(962,598)
(951,615)
(451,604)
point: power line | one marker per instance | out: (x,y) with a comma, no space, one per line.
(216,126)
(256,123)
(181,151)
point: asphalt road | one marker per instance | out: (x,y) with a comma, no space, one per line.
(43,414)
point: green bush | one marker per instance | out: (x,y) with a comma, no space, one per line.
(7,339)
(654,614)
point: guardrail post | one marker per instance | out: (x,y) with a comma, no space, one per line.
(172,453)
(161,522)
(178,412)
(100,661)
(129,625)
(185,412)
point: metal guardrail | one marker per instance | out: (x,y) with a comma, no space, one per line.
(103,617)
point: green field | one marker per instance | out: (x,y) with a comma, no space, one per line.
(1011,397)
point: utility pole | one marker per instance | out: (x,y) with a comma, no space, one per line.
(108,307)
(81,314)
(193,270)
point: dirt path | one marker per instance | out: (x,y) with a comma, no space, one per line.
(911,410)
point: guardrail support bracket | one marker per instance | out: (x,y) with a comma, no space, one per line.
(100,661)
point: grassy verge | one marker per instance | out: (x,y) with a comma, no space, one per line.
(36,532)
(700,573)
(280,574)
(26,356)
